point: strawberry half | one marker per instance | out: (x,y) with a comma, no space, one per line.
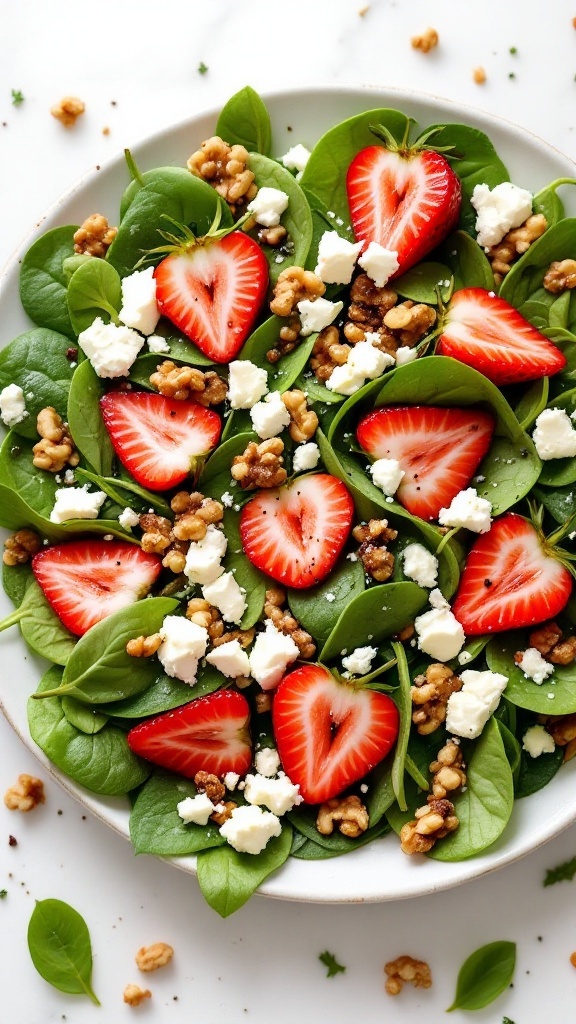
(213,290)
(510,580)
(295,533)
(157,439)
(486,332)
(438,449)
(406,198)
(329,734)
(209,734)
(86,580)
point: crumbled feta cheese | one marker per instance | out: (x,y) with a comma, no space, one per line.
(204,556)
(247,383)
(195,810)
(387,475)
(534,666)
(271,654)
(128,519)
(420,565)
(379,263)
(316,314)
(467,510)
(404,355)
(439,633)
(249,828)
(183,644)
(231,780)
(226,499)
(270,417)
(554,436)
(537,741)
(498,210)
(139,306)
(306,456)
(227,596)
(69,477)
(267,762)
(230,659)
(364,362)
(157,344)
(268,206)
(296,158)
(12,405)
(278,795)
(110,349)
(469,709)
(336,258)
(359,662)
(76,503)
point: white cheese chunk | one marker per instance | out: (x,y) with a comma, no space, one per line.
(336,258)
(139,307)
(183,644)
(498,210)
(267,762)
(247,384)
(296,158)
(128,518)
(268,206)
(537,741)
(195,810)
(76,503)
(231,780)
(270,417)
(110,349)
(249,828)
(387,475)
(316,314)
(227,596)
(12,405)
(439,633)
(467,510)
(306,456)
(204,556)
(359,662)
(157,344)
(469,709)
(270,656)
(278,795)
(365,362)
(404,355)
(420,565)
(554,435)
(379,263)
(230,659)
(534,666)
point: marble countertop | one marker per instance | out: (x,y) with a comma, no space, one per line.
(136,68)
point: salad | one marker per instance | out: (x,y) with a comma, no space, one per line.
(289,483)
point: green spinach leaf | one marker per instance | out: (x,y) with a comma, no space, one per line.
(43,282)
(244,121)
(37,362)
(228,879)
(60,947)
(484,975)
(157,828)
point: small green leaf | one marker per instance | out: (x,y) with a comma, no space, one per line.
(59,944)
(3,894)
(331,964)
(202,68)
(484,975)
(17,97)
(562,873)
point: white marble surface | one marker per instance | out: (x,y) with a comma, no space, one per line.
(135,65)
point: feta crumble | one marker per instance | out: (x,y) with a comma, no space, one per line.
(195,810)
(420,565)
(230,659)
(227,596)
(316,314)
(534,666)
(469,709)
(247,384)
(249,828)
(306,456)
(438,631)
(278,795)
(270,656)
(270,417)
(183,644)
(537,741)
(157,344)
(469,511)
(336,258)
(387,475)
(554,436)
(139,307)
(379,263)
(204,556)
(296,158)
(498,210)
(359,662)
(76,503)
(267,762)
(12,405)
(404,355)
(364,362)
(128,518)
(110,349)
(268,206)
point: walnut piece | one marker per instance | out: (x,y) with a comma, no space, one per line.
(448,770)
(410,321)
(134,995)
(288,339)
(328,353)
(303,421)
(295,284)
(425,42)
(514,244)
(272,236)
(143,646)
(222,815)
(68,110)
(479,75)
(562,729)
(368,307)
(20,547)
(406,969)
(286,623)
(433,821)
(25,794)
(94,236)
(210,784)
(373,537)
(182,382)
(260,465)
(55,450)
(226,168)
(348,812)
(430,694)
(552,644)
(560,276)
(150,958)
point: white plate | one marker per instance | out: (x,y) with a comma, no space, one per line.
(379,871)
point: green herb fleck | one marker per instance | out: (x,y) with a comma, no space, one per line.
(3,894)
(17,97)
(506,1020)
(331,963)
(202,68)
(513,50)
(563,873)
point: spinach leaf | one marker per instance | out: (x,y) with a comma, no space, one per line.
(318,608)
(283,373)
(548,202)
(246,575)
(475,161)
(165,694)
(559,502)
(403,700)
(467,262)
(37,362)
(380,795)
(533,401)
(228,879)
(157,828)
(524,692)
(304,821)
(244,121)
(182,351)
(484,975)
(522,286)
(43,282)
(42,629)
(85,419)
(562,873)
(114,486)
(297,218)
(15,581)
(372,616)
(95,290)
(84,718)
(60,947)
(215,478)
(537,772)
(425,282)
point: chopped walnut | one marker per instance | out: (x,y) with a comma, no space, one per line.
(303,421)
(226,168)
(150,958)
(562,729)
(143,646)
(410,320)
(182,382)
(425,42)
(368,307)
(406,969)
(260,465)
(244,637)
(20,547)
(272,236)
(156,534)
(573,955)
(560,276)
(295,284)
(479,75)
(25,794)
(288,339)
(328,353)
(210,784)
(552,644)
(430,694)
(347,812)
(263,702)
(204,614)
(564,652)
(433,821)
(55,450)
(68,110)
(286,623)
(448,770)
(514,244)
(94,236)
(373,536)
(220,816)
(134,995)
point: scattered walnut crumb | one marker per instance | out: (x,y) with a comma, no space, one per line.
(106,130)
(406,969)
(150,958)
(479,75)
(25,794)
(68,110)
(364,10)
(425,42)
(573,959)
(134,995)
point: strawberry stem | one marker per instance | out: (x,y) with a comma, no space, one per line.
(12,619)
(446,540)
(133,169)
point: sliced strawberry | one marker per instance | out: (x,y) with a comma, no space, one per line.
(86,580)
(407,200)
(213,292)
(438,449)
(486,332)
(510,579)
(158,438)
(295,533)
(209,734)
(329,734)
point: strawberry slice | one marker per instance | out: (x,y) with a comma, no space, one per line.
(329,734)
(486,332)
(407,199)
(295,533)
(511,579)
(157,439)
(86,580)
(209,734)
(213,291)
(438,449)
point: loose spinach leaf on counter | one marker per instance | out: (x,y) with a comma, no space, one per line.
(331,964)
(484,976)
(60,947)
(561,873)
